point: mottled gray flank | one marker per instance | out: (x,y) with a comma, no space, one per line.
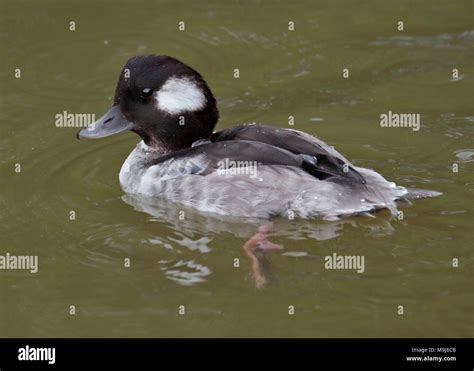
(275,190)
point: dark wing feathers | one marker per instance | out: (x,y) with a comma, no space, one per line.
(266,145)
(330,164)
(249,152)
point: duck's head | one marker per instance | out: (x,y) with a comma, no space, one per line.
(164,101)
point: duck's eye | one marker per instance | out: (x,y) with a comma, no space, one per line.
(145,93)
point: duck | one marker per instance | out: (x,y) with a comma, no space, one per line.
(248,170)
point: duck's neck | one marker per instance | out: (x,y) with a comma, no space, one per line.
(136,164)
(154,148)
(170,133)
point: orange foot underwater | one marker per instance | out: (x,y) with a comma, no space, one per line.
(255,249)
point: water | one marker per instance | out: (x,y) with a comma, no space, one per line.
(190,262)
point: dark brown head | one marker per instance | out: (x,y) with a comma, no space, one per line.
(164,101)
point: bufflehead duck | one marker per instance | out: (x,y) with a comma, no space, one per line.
(248,170)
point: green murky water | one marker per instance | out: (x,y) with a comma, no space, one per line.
(190,262)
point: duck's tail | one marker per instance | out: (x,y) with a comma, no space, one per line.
(415,193)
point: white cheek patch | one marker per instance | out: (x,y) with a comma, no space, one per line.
(179,95)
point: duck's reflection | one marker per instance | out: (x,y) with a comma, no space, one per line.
(187,272)
(191,225)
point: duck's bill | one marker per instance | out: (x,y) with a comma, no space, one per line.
(113,122)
